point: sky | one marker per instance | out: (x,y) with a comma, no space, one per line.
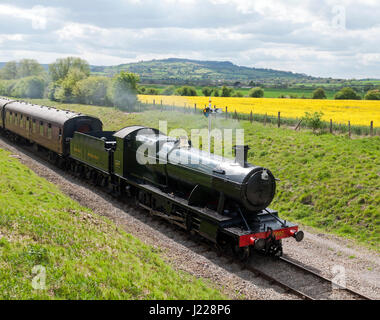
(327,38)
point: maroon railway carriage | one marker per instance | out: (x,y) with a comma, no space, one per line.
(47,127)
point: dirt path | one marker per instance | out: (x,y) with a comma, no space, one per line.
(317,251)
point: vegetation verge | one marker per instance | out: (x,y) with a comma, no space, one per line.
(53,248)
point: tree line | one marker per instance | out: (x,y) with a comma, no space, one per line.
(206,91)
(68,80)
(346,93)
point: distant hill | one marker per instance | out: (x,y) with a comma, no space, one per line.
(184,70)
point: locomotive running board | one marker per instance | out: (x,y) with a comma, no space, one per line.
(210,214)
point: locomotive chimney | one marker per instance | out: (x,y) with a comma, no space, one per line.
(241,154)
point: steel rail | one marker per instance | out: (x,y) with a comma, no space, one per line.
(308,271)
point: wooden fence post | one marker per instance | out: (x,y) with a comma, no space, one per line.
(331,128)
(265,119)
(371,129)
(154,102)
(226,112)
(298,126)
(279,119)
(251,117)
(349,129)
(236,115)
(195,107)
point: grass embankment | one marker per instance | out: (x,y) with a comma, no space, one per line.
(85,256)
(328,182)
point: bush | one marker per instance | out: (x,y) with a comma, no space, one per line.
(141,90)
(124,90)
(313,121)
(216,93)
(152,91)
(168,91)
(207,92)
(51,89)
(29,87)
(319,94)
(347,94)
(6,87)
(186,91)
(65,91)
(23,69)
(227,92)
(238,94)
(92,90)
(60,69)
(256,92)
(372,95)
(34,87)
(28,68)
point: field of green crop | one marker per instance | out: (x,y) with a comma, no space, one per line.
(85,256)
(328,181)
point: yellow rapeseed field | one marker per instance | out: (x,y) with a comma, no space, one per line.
(359,112)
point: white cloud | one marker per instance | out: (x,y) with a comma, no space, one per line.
(37,15)
(11,37)
(287,35)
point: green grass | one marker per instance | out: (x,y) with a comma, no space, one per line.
(85,256)
(328,181)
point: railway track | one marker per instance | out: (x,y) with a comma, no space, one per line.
(313,287)
(317,286)
(326,285)
(282,272)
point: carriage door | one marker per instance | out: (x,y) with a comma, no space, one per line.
(28,127)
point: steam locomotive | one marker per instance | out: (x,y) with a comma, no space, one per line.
(223,200)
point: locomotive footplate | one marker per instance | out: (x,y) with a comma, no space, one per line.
(265,226)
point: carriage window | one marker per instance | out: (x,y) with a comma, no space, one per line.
(60,134)
(21,121)
(34,126)
(41,128)
(27,123)
(49,130)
